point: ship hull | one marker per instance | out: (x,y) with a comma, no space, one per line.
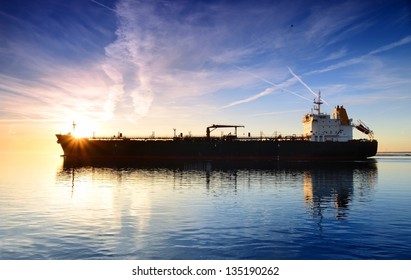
(217,149)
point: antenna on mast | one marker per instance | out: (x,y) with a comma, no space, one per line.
(318,102)
(74,126)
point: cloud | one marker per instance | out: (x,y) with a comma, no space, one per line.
(54,96)
(160,52)
(51,63)
(324,22)
(336,55)
(147,48)
(163,52)
(359,59)
(404,41)
(148,54)
(352,61)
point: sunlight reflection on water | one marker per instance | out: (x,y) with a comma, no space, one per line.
(199,211)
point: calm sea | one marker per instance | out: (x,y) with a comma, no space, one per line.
(304,210)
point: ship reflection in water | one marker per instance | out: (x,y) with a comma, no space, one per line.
(332,187)
(215,210)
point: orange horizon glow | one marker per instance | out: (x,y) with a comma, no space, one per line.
(21,137)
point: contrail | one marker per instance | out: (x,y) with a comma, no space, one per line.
(277,113)
(301,81)
(102,5)
(249,99)
(305,85)
(268,82)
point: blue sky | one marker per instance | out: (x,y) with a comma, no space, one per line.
(144,66)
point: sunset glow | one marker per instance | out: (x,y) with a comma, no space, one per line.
(83,128)
(151,66)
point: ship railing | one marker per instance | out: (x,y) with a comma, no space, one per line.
(124,138)
(261,138)
(276,138)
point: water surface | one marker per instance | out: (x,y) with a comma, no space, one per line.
(305,210)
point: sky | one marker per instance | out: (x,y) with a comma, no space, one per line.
(149,67)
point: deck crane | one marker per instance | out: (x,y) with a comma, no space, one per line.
(215,126)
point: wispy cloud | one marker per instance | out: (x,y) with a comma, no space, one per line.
(348,62)
(50,73)
(323,23)
(403,41)
(154,53)
(359,59)
(336,55)
(161,53)
(51,99)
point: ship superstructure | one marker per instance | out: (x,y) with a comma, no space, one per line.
(321,127)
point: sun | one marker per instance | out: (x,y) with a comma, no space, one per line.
(83,128)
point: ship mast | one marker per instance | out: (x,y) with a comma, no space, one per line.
(318,103)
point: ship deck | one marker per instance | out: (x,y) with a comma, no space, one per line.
(200,138)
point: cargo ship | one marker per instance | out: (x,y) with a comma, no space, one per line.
(324,137)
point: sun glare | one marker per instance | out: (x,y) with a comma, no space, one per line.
(83,128)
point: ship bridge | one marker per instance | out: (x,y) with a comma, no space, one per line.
(320,127)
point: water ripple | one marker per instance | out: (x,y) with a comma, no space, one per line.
(304,211)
